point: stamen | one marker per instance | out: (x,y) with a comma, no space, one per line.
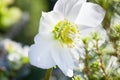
(66,32)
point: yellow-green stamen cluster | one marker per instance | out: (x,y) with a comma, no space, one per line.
(65,32)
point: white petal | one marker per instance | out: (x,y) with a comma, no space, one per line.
(74,10)
(47,38)
(38,38)
(40,52)
(90,15)
(99,29)
(64,60)
(88,31)
(78,52)
(69,8)
(48,21)
(40,56)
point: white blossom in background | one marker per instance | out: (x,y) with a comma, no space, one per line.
(14,57)
(59,39)
(25,51)
(17,54)
(115,27)
(115,19)
(112,65)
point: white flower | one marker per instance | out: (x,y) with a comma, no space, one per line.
(58,41)
(9,45)
(17,54)
(115,19)
(24,52)
(112,65)
(14,57)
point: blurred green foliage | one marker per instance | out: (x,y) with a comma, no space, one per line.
(8,15)
(34,8)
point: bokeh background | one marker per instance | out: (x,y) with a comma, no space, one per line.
(34,9)
(19,23)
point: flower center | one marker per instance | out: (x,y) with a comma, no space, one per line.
(66,32)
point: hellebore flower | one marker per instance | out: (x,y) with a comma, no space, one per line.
(58,41)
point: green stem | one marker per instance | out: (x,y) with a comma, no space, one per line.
(86,62)
(48,74)
(116,48)
(109,13)
(101,61)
